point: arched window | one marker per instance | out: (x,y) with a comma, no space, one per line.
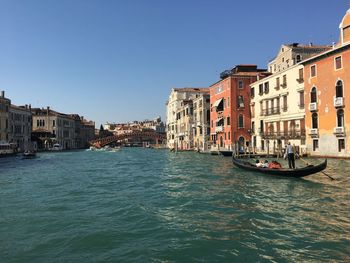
(313,95)
(314,121)
(339,89)
(340,118)
(241,144)
(240,121)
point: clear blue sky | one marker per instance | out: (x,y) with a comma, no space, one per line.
(115,61)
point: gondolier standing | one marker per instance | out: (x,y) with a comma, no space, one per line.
(291,156)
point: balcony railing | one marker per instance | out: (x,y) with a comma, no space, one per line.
(338,102)
(313,106)
(295,134)
(339,131)
(270,111)
(313,132)
(219,128)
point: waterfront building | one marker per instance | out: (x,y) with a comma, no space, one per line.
(277,102)
(201,122)
(70,131)
(230,111)
(176,125)
(20,127)
(327,98)
(184,139)
(5,104)
(58,126)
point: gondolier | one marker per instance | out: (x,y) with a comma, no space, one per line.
(290,156)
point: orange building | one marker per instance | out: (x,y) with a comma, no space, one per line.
(327,96)
(229,107)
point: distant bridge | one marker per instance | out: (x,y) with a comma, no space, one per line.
(101,142)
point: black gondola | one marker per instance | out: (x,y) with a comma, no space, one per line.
(299,172)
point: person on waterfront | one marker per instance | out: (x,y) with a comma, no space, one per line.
(290,156)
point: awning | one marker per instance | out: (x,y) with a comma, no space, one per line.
(219,119)
(217,102)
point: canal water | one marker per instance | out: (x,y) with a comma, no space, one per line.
(145,205)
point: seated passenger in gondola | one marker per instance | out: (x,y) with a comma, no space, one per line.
(275,165)
(258,163)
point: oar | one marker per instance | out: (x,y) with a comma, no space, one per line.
(320,171)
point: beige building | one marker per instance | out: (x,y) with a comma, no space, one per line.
(5,104)
(174,108)
(278,111)
(291,54)
(201,122)
(184,138)
(20,127)
(59,127)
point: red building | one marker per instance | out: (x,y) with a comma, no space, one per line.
(230,107)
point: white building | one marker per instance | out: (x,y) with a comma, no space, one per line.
(173,105)
(278,113)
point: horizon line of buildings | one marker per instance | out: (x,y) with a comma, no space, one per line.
(302,97)
(25,127)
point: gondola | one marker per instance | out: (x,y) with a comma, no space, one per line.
(299,172)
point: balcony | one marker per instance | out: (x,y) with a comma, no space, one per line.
(219,129)
(270,111)
(313,106)
(300,80)
(338,102)
(284,85)
(313,132)
(339,131)
(294,134)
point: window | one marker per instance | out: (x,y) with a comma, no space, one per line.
(338,63)
(315,145)
(298,58)
(339,89)
(240,84)
(266,87)
(313,95)
(340,118)
(261,89)
(314,124)
(240,121)
(341,145)
(301,99)
(252,94)
(313,71)
(240,102)
(277,84)
(228,121)
(301,75)
(284,84)
(229,135)
(285,103)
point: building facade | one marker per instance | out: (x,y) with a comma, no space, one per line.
(201,122)
(291,54)
(70,131)
(5,104)
(327,81)
(178,99)
(278,111)
(20,127)
(230,112)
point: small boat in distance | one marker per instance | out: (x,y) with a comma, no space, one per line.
(29,155)
(299,172)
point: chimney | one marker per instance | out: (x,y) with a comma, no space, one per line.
(2,94)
